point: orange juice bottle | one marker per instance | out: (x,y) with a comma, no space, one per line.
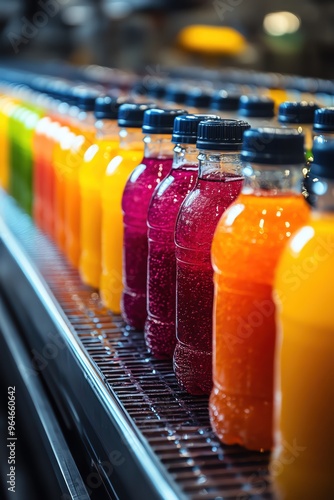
(61,122)
(64,140)
(302,461)
(127,157)
(91,175)
(85,137)
(55,167)
(246,246)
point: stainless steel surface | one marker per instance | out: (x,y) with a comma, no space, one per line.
(59,455)
(167,430)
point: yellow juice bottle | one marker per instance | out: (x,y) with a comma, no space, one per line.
(7,107)
(302,463)
(126,159)
(91,175)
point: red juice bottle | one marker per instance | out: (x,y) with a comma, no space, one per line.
(160,334)
(157,163)
(219,183)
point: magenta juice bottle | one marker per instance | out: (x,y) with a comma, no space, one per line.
(219,183)
(160,333)
(157,163)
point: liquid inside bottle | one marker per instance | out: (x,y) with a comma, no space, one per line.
(247,244)
(219,183)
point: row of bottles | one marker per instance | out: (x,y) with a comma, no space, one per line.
(181,220)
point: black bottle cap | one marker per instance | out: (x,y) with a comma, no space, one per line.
(273,146)
(160,121)
(106,107)
(62,91)
(324,120)
(297,112)
(198,98)
(225,101)
(139,88)
(85,98)
(155,89)
(221,135)
(323,158)
(185,127)
(132,115)
(256,106)
(176,94)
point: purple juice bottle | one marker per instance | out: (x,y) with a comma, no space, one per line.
(157,163)
(160,332)
(219,183)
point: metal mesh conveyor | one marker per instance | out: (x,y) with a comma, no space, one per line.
(146,436)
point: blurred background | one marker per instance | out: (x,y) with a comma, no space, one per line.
(287,36)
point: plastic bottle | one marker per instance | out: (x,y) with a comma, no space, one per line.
(22,125)
(299,115)
(246,247)
(126,159)
(66,112)
(42,155)
(302,460)
(156,165)
(85,137)
(219,183)
(160,333)
(198,100)
(8,105)
(91,175)
(176,94)
(323,125)
(259,111)
(226,103)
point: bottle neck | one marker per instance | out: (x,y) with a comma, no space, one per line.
(185,156)
(324,203)
(216,165)
(158,146)
(272,180)
(107,130)
(131,138)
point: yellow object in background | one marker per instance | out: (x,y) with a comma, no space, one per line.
(214,40)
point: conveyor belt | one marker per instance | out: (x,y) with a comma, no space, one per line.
(132,402)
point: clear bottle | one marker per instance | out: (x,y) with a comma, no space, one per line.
(84,128)
(156,165)
(226,103)
(299,115)
(302,461)
(246,247)
(125,160)
(160,333)
(91,175)
(176,94)
(198,100)
(323,125)
(219,183)
(259,111)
